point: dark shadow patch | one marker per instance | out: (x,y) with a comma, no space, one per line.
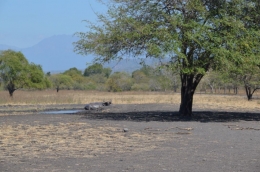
(167,116)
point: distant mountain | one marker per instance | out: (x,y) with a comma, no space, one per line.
(56,54)
(6,47)
(129,65)
(125,65)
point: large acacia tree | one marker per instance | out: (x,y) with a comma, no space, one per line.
(193,35)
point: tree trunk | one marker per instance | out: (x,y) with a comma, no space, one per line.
(11,89)
(186,101)
(57,89)
(188,87)
(250,92)
(175,88)
(235,90)
(211,88)
(11,92)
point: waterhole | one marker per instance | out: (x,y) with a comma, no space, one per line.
(60,112)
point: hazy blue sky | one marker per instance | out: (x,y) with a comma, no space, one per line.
(24,23)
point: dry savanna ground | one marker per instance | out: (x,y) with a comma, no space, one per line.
(20,141)
(73,139)
(37,100)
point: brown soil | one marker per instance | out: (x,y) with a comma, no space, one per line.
(143,137)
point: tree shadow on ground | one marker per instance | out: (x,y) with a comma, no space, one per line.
(198,116)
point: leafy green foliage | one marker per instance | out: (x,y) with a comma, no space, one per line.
(16,72)
(97,69)
(61,81)
(194,35)
(140,87)
(73,72)
(79,81)
(140,77)
(119,81)
(249,75)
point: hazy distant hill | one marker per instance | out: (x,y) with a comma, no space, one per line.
(6,47)
(55,54)
(129,65)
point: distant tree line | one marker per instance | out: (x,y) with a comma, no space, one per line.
(97,77)
(17,73)
(154,78)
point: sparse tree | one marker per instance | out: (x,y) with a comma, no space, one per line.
(79,81)
(119,81)
(139,76)
(97,69)
(16,72)
(141,81)
(250,77)
(73,72)
(61,81)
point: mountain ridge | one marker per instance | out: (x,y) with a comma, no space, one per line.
(56,54)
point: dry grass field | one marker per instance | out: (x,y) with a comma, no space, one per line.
(37,142)
(51,97)
(72,139)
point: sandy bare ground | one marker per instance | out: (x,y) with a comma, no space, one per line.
(157,139)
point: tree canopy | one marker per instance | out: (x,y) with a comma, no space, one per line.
(61,81)
(119,81)
(16,72)
(193,35)
(97,68)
